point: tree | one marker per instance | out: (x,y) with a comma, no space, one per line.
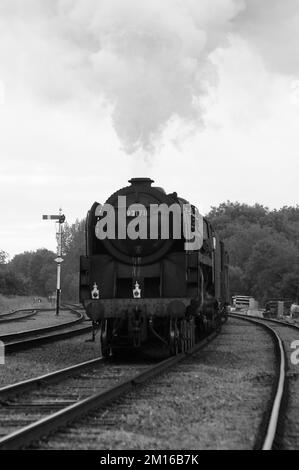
(234,212)
(34,272)
(271,261)
(37,269)
(3,257)
(73,246)
(263,246)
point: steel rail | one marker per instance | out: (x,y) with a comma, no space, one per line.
(50,378)
(273,421)
(269,320)
(21,344)
(25,333)
(13,312)
(50,423)
(27,338)
(8,317)
(275,413)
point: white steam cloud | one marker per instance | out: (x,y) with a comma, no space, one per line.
(148,61)
(152,61)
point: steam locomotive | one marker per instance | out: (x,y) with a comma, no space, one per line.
(142,283)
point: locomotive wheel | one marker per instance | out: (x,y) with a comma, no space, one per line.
(224,315)
(186,327)
(191,334)
(173,337)
(188,336)
(105,347)
(182,332)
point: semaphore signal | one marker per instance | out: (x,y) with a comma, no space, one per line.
(60,219)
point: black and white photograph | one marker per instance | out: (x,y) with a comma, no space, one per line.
(149,237)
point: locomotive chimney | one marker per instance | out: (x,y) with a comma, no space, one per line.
(141,182)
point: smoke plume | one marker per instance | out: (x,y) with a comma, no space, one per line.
(149,62)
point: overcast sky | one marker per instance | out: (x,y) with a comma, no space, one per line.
(200,95)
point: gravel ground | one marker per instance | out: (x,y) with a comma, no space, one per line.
(40,320)
(47,358)
(214,400)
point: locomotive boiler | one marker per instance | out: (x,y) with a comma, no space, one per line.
(155,274)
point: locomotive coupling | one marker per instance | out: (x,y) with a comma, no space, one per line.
(95,310)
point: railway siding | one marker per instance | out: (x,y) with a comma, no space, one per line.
(67,324)
(41,319)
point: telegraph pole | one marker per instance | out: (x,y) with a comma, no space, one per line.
(60,218)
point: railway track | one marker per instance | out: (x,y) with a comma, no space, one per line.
(17,315)
(281,427)
(33,408)
(29,338)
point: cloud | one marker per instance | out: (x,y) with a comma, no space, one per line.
(153,64)
(272,27)
(148,61)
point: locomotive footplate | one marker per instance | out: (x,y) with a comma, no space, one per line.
(116,308)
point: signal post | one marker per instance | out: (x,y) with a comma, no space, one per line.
(60,218)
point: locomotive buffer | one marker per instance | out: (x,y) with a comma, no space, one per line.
(60,218)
